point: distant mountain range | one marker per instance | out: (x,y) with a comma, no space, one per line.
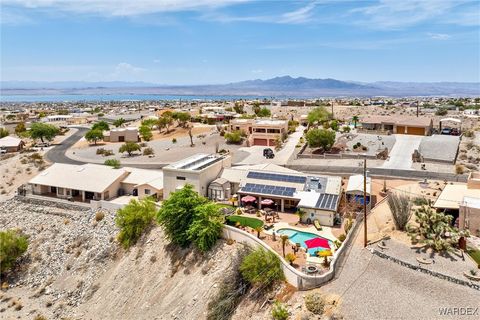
(285,86)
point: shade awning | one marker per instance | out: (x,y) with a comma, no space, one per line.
(317,242)
(249,199)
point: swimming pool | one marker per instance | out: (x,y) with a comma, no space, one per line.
(296,236)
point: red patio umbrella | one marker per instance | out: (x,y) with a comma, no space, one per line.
(249,199)
(266,202)
(317,242)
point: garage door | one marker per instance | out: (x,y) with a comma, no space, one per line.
(416,131)
(400,129)
(272,142)
(259,142)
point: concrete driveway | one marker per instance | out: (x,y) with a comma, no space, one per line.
(400,156)
(255,153)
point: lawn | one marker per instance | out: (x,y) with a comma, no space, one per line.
(245,221)
(475,254)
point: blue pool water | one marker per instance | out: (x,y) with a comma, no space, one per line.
(300,237)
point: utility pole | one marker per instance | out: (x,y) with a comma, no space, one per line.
(365,202)
(418,106)
(332,110)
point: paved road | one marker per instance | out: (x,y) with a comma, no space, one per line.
(400,156)
(57,153)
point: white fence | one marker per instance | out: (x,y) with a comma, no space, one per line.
(107,205)
(296,278)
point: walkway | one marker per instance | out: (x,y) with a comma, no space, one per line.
(400,156)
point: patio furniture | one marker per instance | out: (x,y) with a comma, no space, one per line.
(317,225)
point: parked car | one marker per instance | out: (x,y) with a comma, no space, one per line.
(268,153)
(42,145)
(446,131)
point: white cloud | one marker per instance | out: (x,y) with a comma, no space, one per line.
(257,71)
(121,7)
(124,69)
(394,14)
(13,18)
(439,36)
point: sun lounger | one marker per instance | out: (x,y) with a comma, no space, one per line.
(317,225)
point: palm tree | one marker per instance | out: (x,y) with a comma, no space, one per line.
(355,119)
(258,229)
(284,239)
(300,213)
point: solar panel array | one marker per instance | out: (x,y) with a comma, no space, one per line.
(265,189)
(276,177)
(327,201)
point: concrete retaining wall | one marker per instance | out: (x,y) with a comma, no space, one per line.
(296,278)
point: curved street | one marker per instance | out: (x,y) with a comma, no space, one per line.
(57,153)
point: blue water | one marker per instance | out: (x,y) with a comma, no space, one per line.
(300,237)
(116,97)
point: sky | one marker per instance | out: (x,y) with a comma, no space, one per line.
(222,41)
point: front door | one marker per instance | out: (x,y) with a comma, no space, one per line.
(121,139)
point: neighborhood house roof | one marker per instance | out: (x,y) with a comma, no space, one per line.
(140,177)
(398,120)
(87,177)
(9,141)
(453,195)
(322,201)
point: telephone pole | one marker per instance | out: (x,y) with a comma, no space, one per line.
(365,202)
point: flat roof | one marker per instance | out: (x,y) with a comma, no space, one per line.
(398,120)
(87,177)
(355,184)
(140,177)
(196,163)
(10,141)
(453,194)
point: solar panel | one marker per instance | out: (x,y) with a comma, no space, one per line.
(327,201)
(275,177)
(267,189)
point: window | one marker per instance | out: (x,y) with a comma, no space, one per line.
(181,178)
(147,191)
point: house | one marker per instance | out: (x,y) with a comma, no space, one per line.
(398,124)
(11,144)
(129,134)
(198,170)
(261,132)
(96,182)
(317,196)
(462,201)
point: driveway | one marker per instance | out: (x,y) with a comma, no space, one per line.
(255,153)
(400,156)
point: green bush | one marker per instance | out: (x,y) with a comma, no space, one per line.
(134,219)
(148,151)
(262,268)
(233,137)
(206,226)
(112,163)
(12,246)
(279,311)
(342,237)
(315,303)
(177,214)
(129,148)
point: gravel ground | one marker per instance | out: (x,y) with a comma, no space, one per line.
(369,287)
(451,264)
(67,249)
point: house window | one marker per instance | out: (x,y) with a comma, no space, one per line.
(147,191)
(181,178)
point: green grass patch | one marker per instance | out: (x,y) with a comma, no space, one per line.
(475,254)
(245,221)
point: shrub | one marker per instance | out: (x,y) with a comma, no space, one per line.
(177,214)
(441,111)
(321,138)
(133,219)
(174,140)
(112,163)
(348,225)
(279,311)
(342,237)
(99,216)
(290,257)
(401,208)
(345,129)
(469,134)
(12,246)
(459,169)
(315,303)
(148,151)
(262,268)
(233,137)
(206,227)
(100,151)
(420,201)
